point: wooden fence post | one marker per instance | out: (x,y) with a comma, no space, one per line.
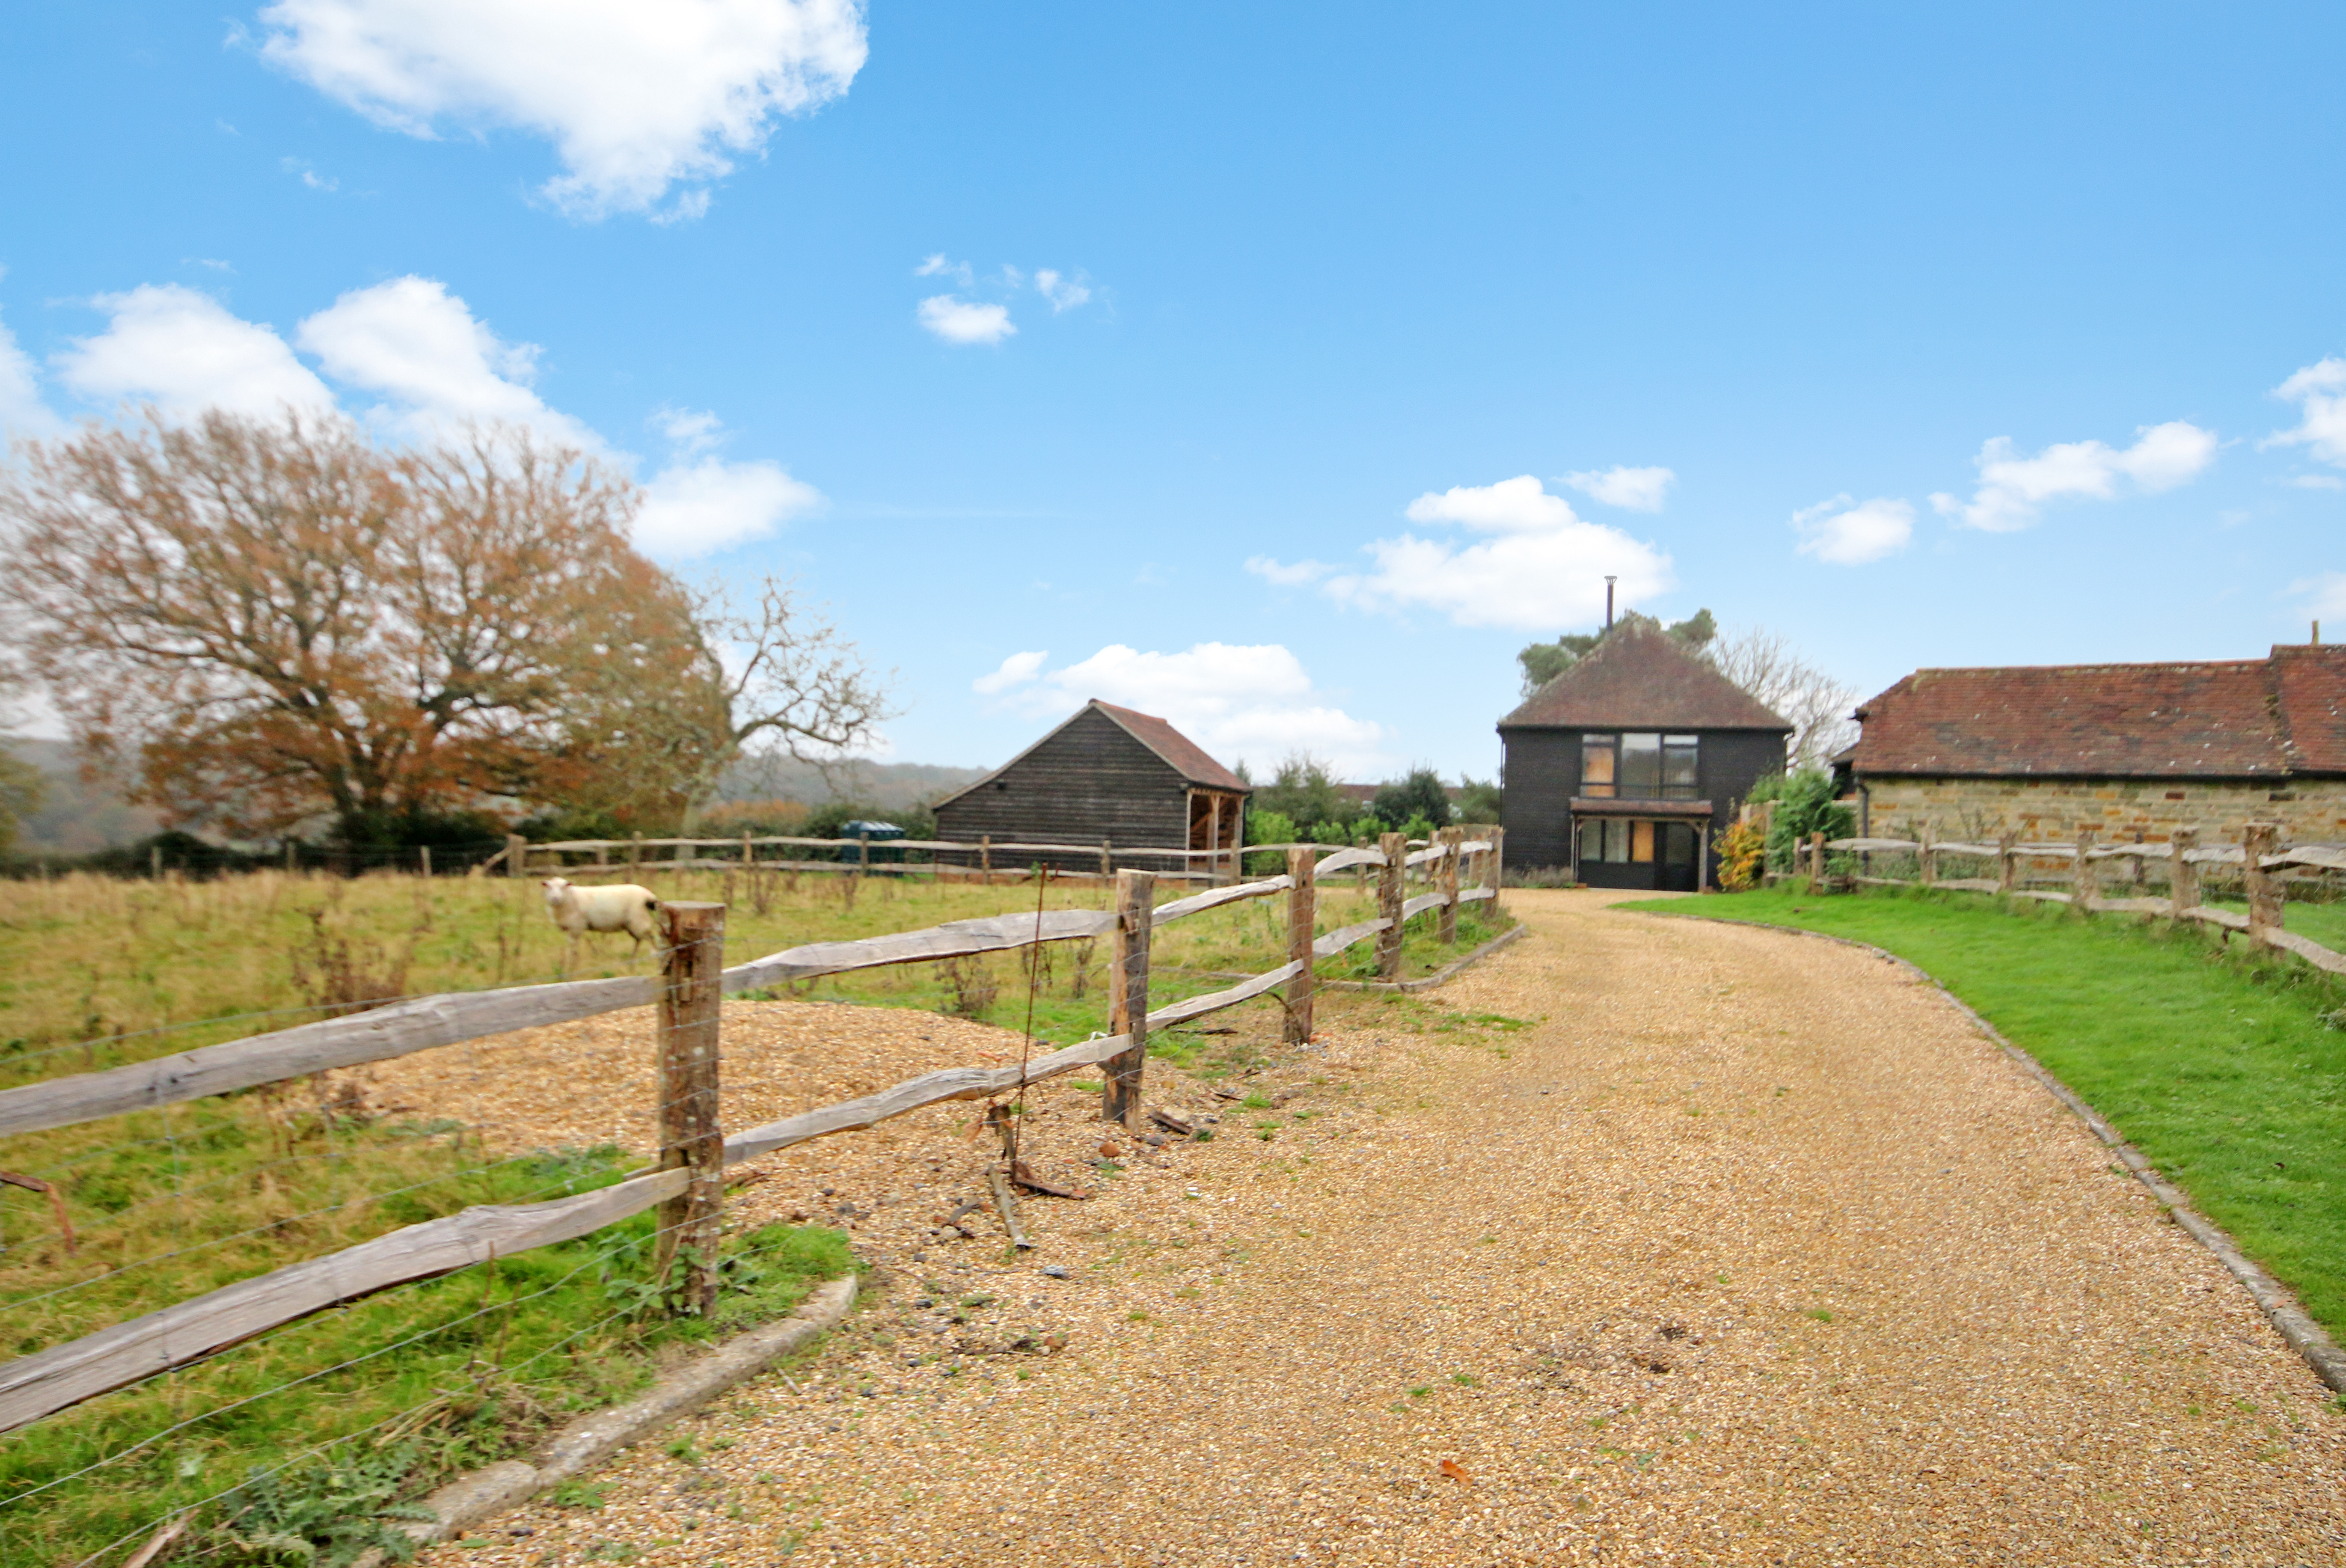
(290,853)
(635,850)
(2259,840)
(2085,876)
(1817,861)
(2007,862)
(1926,860)
(985,860)
(1107,860)
(1302,907)
(1389,901)
(691,972)
(749,851)
(1127,996)
(1497,861)
(1448,838)
(2182,877)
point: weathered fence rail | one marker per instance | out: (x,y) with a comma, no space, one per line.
(692,1155)
(2259,855)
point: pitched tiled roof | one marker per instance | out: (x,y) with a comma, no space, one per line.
(1641,678)
(2233,719)
(1183,755)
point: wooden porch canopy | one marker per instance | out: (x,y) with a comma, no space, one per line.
(1607,805)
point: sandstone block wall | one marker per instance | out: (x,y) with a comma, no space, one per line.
(2309,811)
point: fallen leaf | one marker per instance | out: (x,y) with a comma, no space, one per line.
(1457,1472)
(1110,1151)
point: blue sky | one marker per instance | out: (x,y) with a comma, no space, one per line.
(1237,361)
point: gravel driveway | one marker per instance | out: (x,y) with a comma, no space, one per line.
(1748,1249)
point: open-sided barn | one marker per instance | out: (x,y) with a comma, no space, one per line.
(1107,774)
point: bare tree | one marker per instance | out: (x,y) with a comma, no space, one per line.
(1764,664)
(792,685)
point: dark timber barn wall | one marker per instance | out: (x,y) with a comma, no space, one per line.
(1092,778)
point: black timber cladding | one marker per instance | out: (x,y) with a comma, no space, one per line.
(1088,779)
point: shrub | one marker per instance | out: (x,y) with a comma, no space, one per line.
(1742,851)
(1804,805)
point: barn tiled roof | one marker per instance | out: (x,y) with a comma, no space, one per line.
(1641,678)
(1181,753)
(2231,719)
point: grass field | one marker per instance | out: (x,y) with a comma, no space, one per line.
(171,1203)
(150,968)
(2226,1067)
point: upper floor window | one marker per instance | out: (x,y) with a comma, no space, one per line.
(1639,765)
(1596,756)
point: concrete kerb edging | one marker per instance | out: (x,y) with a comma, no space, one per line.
(591,1438)
(2305,1336)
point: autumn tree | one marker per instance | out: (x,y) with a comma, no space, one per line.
(271,621)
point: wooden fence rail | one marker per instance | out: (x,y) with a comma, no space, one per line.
(2258,855)
(41,1384)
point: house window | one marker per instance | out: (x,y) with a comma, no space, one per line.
(1641,765)
(1597,766)
(1609,839)
(1678,778)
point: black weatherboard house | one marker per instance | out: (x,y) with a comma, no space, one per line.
(1625,767)
(1107,773)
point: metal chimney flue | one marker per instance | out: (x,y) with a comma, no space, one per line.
(1608,601)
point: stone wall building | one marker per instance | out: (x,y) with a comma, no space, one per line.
(2135,749)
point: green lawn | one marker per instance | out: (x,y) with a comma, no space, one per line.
(2227,1069)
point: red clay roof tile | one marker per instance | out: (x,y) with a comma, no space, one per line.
(2233,719)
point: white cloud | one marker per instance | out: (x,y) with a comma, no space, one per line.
(2324,593)
(182,351)
(2317,482)
(936,266)
(1235,701)
(22,410)
(1633,489)
(1546,568)
(1289,575)
(1064,293)
(635,98)
(309,177)
(1851,535)
(414,342)
(960,322)
(1016,671)
(2321,388)
(696,507)
(2012,490)
(687,431)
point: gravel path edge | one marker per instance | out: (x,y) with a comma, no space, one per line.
(2305,1336)
(593,1438)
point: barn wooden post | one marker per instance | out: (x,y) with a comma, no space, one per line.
(2183,875)
(1450,838)
(1926,860)
(1389,901)
(2259,840)
(1128,995)
(1302,908)
(2084,873)
(691,972)
(1214,840)
(2007,862)
(1701,858)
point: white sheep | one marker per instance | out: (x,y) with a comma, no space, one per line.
(626,907)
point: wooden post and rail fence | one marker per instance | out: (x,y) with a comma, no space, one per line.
(852,857)
(2261,856)
(686,1183)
